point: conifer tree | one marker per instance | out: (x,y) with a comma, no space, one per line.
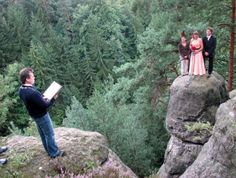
(100,42)
(11,109)
(14,35)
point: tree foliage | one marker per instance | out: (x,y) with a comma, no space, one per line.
(11,109)
(117,58)
(126,134)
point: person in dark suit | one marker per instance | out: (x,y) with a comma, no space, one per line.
(209,45)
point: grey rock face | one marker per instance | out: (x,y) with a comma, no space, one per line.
(190,120)
(194,101)
(232,94)
(86,153)
(218,156)
(178,156)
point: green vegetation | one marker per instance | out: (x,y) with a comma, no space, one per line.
(115,60)
(17,161)
(199,127)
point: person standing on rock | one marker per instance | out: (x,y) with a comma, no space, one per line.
(37,106)
(197,66)
(209,43)
(184,54)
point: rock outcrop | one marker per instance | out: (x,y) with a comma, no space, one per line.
(190,119)
(218,156)
(86,152)
(232,94)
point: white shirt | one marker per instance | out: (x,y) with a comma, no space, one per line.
(27,85)
(208,37)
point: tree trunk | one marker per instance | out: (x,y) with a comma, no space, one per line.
(231,48)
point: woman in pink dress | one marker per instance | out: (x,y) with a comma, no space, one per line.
(197,66)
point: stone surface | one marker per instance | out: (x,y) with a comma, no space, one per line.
(85,152)
(232,94)
(190,119)
(194,100)
(178,156)
(218,156)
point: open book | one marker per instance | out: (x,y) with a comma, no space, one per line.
(52,90)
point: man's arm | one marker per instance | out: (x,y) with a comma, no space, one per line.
(213,47)
(38,99)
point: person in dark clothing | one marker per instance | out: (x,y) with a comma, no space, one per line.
(209,46)
(37,106)
(184,54)
(3,160)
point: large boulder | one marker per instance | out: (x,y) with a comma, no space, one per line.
(178,156)
(190,119)
(86,153)
(232,94)
(194,101)
(218,156)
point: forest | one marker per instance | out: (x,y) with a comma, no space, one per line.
(115,59)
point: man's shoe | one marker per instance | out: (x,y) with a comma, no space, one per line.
(3,161)
(3,149)
(60,154)
(209,75)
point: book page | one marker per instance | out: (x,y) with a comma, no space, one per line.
(52,90)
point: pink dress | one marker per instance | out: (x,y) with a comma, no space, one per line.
(197,66)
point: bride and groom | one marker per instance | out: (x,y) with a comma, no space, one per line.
(194,53)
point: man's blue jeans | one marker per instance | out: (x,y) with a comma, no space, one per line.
(45,129)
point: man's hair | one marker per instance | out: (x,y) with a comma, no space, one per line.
(211,29)
(25,73)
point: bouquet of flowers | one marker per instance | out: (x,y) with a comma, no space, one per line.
(195,47)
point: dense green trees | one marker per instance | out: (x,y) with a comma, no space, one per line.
(11,109)
(14,36)
(126,134)
(115,60)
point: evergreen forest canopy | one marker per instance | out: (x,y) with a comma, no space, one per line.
(115,59)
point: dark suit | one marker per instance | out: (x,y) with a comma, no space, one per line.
(209,46)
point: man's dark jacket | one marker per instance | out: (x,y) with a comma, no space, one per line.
(209,46)
(35,103)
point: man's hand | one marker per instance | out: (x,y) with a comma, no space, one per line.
(206,53)
(56,96)
(46,99)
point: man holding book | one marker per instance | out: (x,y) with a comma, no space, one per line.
(37,105)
